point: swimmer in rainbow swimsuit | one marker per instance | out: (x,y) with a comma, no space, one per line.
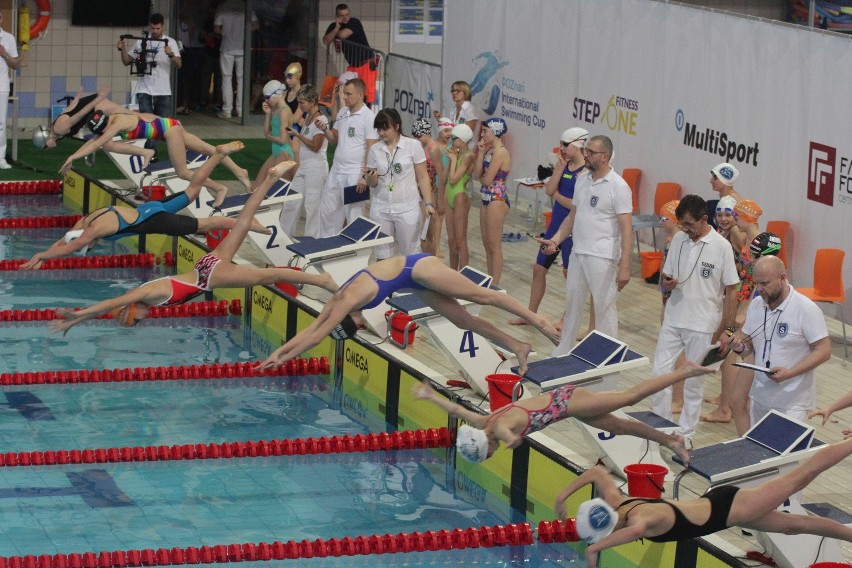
(481,436)
(155,217)
(491,169)
(213,270)
(432,280)
(613,518)
(136,126)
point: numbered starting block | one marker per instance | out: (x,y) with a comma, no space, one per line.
(156,173)
(273,246)
(342,256)
(773,446)
(592,364)
(475,357)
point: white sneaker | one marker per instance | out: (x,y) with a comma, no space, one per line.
(224,115)
(4,165)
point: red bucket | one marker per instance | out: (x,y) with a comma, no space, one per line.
(500,388)
(400,325)
(216,237)
(154,192)
(645,480)
(286,287)
(830,565)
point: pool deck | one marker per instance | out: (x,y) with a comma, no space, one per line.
(639,319)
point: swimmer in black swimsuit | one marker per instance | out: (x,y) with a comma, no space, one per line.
(154,217)
(214,270)
(437,284)
(620,519)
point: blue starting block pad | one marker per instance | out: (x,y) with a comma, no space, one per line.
(592,358)
(829,511)
(653,420)
(359,234)
(774,442)
(280,192)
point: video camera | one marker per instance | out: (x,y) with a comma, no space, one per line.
(142,64)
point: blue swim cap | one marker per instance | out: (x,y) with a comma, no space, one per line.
(497,125)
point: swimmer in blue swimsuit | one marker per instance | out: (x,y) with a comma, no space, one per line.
(481,436)
(432,280)
(619,519)
(155,217)
(213,270)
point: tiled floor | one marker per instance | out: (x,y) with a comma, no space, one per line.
(639,315)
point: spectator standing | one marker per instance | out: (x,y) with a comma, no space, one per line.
(230,25)
(154,91)
(189,77)
(396,169)
(463,111)
(313,163)
(785,332)
(600,222)
(345,27)
(354,134)
(701,275)
(8,60)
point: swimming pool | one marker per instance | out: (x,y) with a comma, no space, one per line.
(124,506)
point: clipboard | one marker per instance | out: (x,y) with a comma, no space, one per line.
(713,356)
(350,195)
(752,367)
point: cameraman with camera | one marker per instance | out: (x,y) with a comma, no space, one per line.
(152,58)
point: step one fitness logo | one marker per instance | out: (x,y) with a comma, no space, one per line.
(620,113)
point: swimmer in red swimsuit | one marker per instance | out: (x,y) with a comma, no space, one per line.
(214,270)
(478,441)
(619,519)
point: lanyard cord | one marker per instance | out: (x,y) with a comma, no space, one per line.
(680,254)
(767,339)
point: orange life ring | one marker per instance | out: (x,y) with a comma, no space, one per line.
(40,25)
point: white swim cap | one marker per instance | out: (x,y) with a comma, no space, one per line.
(726,204)
(575,136)
(463,132)
(74,235)
(595,520)
(472,444)
(272,88)
(726,173)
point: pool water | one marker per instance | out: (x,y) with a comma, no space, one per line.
(123,506)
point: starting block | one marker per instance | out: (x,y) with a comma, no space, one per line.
(273,246)
(475,357)
(342,256)
(776,444)
(156,172)
(592,364)
(159,171)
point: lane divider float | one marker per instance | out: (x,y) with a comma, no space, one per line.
(192,309)
(292,368)
(50,222)
(141,260)
(36,187)
(373,442)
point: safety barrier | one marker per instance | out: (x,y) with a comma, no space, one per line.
(292,368)
(193,309)
(383,441)
(514,534)
(145,260)
(39,222)
(42,187)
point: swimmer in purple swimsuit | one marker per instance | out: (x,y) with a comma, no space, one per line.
(491,169)
(613,518)
(214,270)
(435,282)
(481,436)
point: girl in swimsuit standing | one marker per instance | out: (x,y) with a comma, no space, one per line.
(619,519)
(491,168)
(214,270)
(436,283)
(133,126)
(481,436)
(458,175)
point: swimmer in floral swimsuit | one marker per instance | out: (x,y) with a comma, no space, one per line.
(214,270)
(491,169)
(481,436)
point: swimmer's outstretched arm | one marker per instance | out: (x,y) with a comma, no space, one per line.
(424,391)
(91,146)
(146,294)
(61,249)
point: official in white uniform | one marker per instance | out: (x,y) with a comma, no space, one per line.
(8,60)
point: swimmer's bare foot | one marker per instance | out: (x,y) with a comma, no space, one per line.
(719,415)
(712,400)
(548,329)
(230,148)
(584,334)
(278,170)
(147,156)
(523,353)
(221,194)
(242,175)
(328,283)
(677,444)
(518,321)
(259,227)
